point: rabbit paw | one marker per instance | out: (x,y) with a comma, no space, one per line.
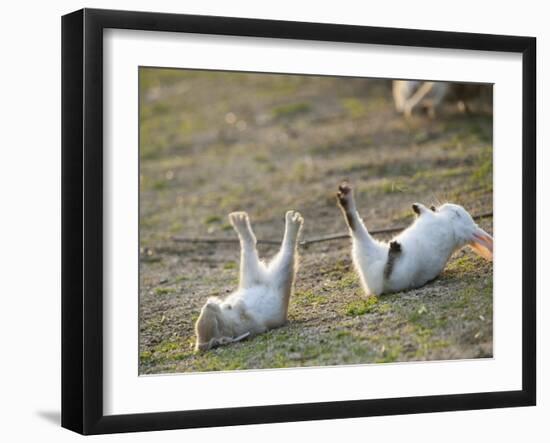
(395,246)
(294,220)
(239,220)
(241,223)
(345,194)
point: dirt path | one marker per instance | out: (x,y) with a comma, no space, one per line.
(212,143)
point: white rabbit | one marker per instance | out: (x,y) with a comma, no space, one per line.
(261,300)
(408,94)
(419,253)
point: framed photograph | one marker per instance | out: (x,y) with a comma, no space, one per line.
(269,221)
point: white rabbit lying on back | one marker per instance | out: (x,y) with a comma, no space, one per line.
(419,253)
(261,301)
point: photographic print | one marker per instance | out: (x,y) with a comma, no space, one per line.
(250,204)
(301,220)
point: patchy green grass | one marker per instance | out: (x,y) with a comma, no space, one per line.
(164,291)
(290,110)
(309,298)
(212,219)
(348,280)
(230,265)
(354,107)
(362,306)
(482,176)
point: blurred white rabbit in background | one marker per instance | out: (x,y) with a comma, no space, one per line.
(411,94)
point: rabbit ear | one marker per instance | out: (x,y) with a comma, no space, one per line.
(419,208)
(482,243)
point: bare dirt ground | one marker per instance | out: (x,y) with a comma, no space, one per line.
(212,143)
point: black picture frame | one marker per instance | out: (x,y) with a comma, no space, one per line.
(82,220)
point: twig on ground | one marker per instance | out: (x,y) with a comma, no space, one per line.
(305,242)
